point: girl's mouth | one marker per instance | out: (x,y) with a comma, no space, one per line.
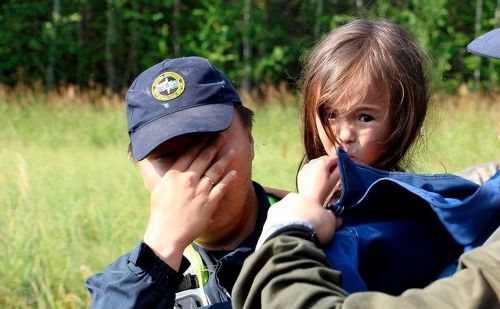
(352,157)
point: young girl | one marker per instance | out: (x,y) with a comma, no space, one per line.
(350,104)
(365,89)
(364,97)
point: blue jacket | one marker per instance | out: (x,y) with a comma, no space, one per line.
(404,230)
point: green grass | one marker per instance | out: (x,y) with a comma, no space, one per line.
(277,146)
(71,202)
(462,131)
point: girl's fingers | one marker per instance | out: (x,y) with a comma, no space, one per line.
(330,163)
(318,178)
(327,161)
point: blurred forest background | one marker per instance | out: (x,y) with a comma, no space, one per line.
(105,44)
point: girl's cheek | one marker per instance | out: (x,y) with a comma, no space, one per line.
(328,145)
(331,149)
(325,141)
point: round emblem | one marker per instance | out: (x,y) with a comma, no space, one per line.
(167,86)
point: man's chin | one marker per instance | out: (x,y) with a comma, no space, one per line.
(215,237)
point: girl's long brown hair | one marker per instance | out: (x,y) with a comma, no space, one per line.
(358,55)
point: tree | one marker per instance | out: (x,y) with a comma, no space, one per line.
(477,31)
(49,76)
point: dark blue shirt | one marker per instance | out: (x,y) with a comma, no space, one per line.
(140,279)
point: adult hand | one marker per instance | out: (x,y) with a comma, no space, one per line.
(319,178)
(297,207)
(185,199)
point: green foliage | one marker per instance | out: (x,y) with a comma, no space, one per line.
(443,28)
(83,42)
(22,47)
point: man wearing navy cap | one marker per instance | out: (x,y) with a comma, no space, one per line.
(191,138)
(291,271)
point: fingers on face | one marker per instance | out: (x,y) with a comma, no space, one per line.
(210,180)
(214,174)
(217,192)
(199,163)
(204,149)
(221,187)
(199,159)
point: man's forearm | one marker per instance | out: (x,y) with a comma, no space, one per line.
(136,280)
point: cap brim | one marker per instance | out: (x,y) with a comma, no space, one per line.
(487,45)
(204,118)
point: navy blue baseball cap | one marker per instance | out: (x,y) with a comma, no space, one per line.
(176,97)
(487,45)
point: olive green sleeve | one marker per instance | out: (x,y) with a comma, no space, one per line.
(289,272)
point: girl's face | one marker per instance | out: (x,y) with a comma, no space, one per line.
(361,131)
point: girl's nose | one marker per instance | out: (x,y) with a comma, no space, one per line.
(345,132)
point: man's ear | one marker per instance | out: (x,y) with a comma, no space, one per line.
(250,140)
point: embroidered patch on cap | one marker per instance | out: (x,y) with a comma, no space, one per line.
(167,86)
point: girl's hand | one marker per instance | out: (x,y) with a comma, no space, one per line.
(318,178)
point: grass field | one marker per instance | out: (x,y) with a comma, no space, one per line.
(71,202)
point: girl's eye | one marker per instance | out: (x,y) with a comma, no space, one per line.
(332,115)
(365,118)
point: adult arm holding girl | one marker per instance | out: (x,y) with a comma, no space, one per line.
(362,92)
(291,271)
